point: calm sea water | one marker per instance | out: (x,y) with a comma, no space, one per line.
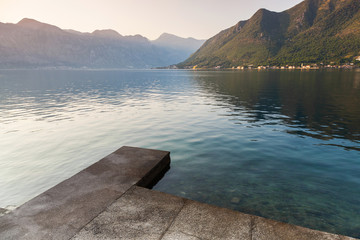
(279,144)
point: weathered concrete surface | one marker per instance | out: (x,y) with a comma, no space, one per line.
(103,202)
(209,222)
(266,229)
(63,210)
(139,214)
(146,214)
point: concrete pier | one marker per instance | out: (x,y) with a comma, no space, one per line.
(108,200)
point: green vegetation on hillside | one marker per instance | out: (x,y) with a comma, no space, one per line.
(314,31)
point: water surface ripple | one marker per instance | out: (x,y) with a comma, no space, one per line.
(280,144)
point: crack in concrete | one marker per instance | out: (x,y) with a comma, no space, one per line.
(171,223)
(252,226)
(104,210)
(193,236)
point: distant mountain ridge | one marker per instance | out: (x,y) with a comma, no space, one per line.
(177,46)
(314,31)
(30,44)
(173,41)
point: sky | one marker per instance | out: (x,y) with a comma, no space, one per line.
(200,19)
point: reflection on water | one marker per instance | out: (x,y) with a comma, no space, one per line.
(322,105)
(283,145)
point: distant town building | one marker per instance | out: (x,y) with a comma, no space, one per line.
(262,67)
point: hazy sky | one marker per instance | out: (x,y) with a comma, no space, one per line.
(186,18)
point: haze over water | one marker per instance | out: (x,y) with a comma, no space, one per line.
(280,144)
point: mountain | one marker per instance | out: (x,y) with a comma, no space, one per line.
(107,33)
(175,42)
(177,47)
(30,43)
(314,31)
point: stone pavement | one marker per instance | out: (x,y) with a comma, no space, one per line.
(60,212)
(108,201)
(146,214)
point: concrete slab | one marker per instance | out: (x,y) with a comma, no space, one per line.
(205,221)
(146,214)
(266,229)
(174,235)
(63,210)
(107,201)
(139,214)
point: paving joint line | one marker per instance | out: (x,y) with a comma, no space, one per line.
(173,220)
